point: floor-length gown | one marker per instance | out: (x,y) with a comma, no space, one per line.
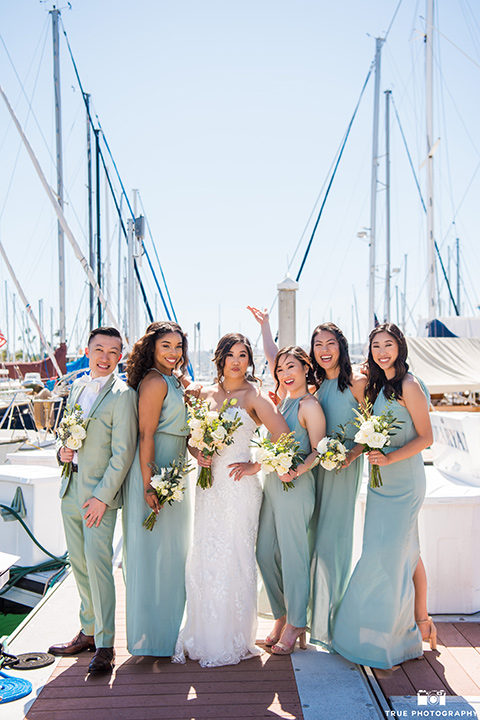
(283,551)
(375,624)
(154,561)
(221,572)
(333,520)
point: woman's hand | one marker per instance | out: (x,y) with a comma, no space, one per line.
(260,317)
(375,457)
(204,461)
(151,499)
(289,477)
(243,468)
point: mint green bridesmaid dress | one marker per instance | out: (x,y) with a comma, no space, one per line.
(333,519)
(283,552)
(154,562)
(375,624)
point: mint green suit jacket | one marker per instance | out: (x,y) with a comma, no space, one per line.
(109,448)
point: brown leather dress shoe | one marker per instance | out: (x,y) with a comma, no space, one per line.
(103,660)
(79,643)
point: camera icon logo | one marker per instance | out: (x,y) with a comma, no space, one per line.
(432,698)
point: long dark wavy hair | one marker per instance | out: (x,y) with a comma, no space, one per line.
(224,346)
(141,359)
(345,376)
(299,354)
(377,380)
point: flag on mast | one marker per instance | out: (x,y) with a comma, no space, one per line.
(3,340)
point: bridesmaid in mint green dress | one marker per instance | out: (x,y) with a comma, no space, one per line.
(375,624)
(154,561)
(340,390)
(283,551)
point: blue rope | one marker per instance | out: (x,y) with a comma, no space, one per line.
(12,688)
(333,175)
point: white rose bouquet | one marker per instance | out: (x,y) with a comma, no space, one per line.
(279,457)
(71,433)
(169,485)
(374,433)
(210,431)
(331,453)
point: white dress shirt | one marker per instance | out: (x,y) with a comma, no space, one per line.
(92,386)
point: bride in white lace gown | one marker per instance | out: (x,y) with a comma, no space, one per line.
(221,570)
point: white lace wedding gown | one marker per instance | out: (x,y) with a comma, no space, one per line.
(221,570)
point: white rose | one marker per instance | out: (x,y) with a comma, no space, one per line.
(377,440)
(195,423)
(211,416)
(323,445)
(219,434)
(328,464)
(178,495)
(367,427)
(360,438)
(79,432)
(73,443)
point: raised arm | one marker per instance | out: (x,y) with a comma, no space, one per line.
(269,346)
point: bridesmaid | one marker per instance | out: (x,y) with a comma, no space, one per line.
(375,624)
(283,551)
(340,390)
(154,562)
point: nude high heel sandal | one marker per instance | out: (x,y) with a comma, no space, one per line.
(432,635)
(282,649)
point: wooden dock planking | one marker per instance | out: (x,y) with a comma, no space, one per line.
(454,667)
(147,688)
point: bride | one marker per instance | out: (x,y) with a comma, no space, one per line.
(221,571)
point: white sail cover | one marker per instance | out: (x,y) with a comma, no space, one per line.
(446,365)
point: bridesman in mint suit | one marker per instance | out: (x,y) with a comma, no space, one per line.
(92,494)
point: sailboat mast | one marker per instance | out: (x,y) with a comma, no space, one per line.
(58,140)
(373,198)
(430,209)
(387,200)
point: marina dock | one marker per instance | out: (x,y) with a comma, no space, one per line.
(308,685)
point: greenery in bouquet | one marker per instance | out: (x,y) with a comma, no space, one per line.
(168,484)
(211,430)
(280,456)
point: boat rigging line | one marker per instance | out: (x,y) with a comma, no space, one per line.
(457,310)
(100,129)
(327,192)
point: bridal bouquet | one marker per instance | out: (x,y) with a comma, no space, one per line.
(71,433)
(279,457)
(374,433)
(331,453)
(211,430)
(169,486)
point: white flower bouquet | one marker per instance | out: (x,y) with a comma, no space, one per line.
(71,433)
(210,431)
(169,485)
(279,457)
(331,453)
(374,433)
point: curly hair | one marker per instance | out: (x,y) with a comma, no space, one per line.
(224,346)
(141,359)
(377,380)
(299,354)
(345,375)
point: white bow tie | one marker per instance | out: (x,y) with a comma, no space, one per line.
(88,382)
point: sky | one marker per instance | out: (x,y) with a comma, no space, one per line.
(227,116)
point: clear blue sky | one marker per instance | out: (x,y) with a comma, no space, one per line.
(227,114)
